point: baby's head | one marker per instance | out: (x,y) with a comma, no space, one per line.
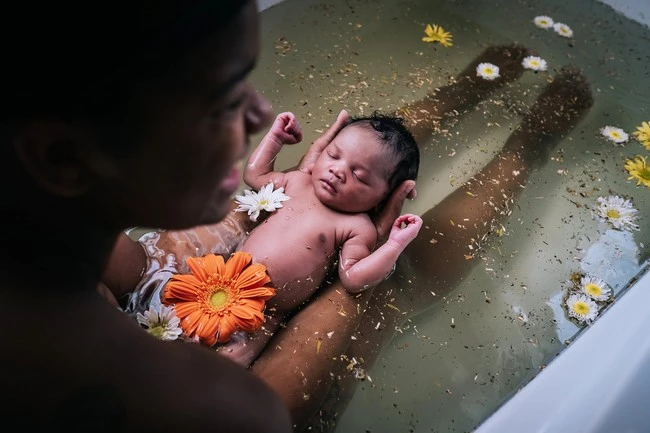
(364,163)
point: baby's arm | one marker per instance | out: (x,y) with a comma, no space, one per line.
(259,169)
(359,269)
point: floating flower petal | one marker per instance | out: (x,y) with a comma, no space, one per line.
(535,63)
(161,323)
(582,308)
(563,30)
(436,33)
(617,211)
(487,71)
(216,298)
(643,134)
(266,199)
(543,22)
(595,288)
(638,170)
(617,135)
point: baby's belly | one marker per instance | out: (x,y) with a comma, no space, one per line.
(296,267)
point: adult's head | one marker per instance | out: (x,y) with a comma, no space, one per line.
(365,162)
(132,112)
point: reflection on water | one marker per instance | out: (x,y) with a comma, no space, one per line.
(321,56)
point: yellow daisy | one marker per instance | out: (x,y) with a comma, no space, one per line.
(638,170)
(437,34)
(643,134)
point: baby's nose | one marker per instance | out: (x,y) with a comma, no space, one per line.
(338,172)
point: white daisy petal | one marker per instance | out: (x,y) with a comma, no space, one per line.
(617,211)
(266,199)
(582,308)
(612,133)
(543,22)
(563,30)
(596,288)
(535,63)
(487,71)
(161,323)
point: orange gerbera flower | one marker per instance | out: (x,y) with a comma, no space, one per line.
(217,298)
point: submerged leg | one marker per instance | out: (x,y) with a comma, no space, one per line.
(481,200)
(425,116)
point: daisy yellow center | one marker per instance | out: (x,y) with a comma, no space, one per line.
(644,173)
(613,214)
(157,330)
(615,134)
(264,202)
(544,22)
(534,63)
(581,308)
(219,298)
(488,71)
(594,290)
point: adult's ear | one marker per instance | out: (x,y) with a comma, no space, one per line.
(56,155)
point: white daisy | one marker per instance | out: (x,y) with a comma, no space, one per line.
(266,199)
(595,288)
(487,71)
(582,308)
(543,22)
(563,30)
(535,63)
(161,323)
(617,211)
(617,135)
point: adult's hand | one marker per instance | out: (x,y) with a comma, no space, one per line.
(384,221)
(309,159)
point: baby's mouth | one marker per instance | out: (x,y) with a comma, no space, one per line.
(328,185)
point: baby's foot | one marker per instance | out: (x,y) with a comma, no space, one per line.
(554,114)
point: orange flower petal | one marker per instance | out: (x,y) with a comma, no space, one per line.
(249,325)
(211,327)
(184,309)
(253,276)
(180,290)
(246,312)
(258,292)
(197,267)
(236,263)
(191,322)
(227,326)
(214,264)
(257,303)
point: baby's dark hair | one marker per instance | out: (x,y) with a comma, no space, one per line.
(399,141)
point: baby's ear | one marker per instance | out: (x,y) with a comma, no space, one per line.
(55,155)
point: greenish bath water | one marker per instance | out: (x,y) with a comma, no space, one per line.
(319,57)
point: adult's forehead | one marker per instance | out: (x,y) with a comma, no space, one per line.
(60,48)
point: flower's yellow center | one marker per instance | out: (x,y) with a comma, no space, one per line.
(594,289)
(615,135)
(644,173)
(613,214)
(488,71)
(219,298)
(157,330)
(581,308)
(264,202)
(545,22)
(534,63)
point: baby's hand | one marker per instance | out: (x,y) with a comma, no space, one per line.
(405,228)
(286,129)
